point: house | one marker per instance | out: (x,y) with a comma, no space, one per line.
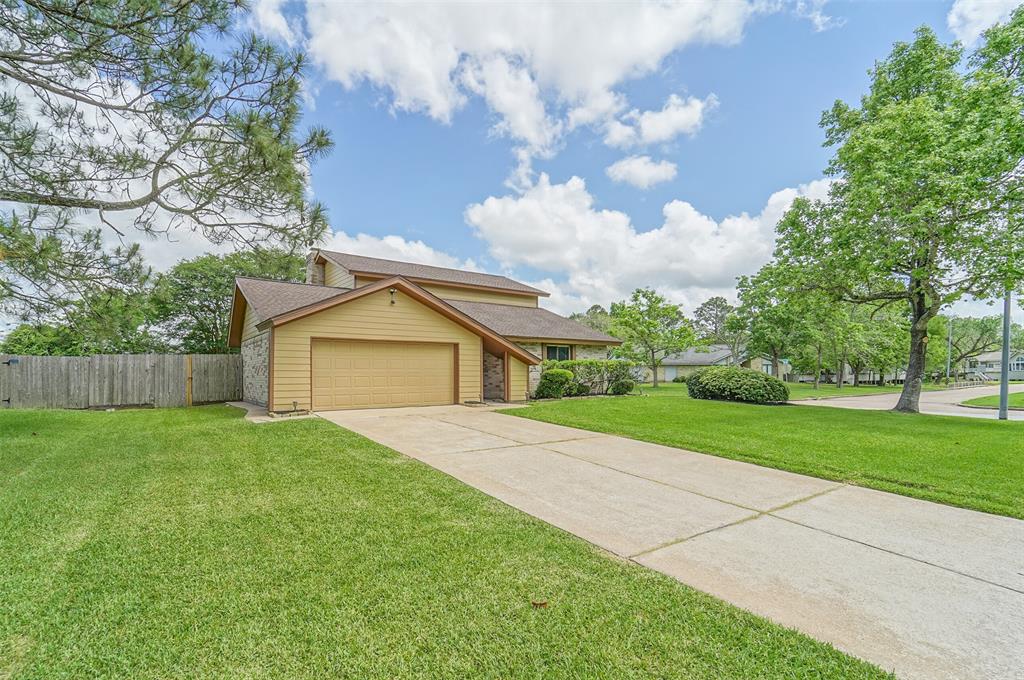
(685,363)
(365,332)
(990,364)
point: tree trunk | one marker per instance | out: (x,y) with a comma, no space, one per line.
(841,372)
(910,397)
(654,370)
(856,377)
(776,365)
(817,370)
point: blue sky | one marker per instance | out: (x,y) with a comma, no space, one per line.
(487,136)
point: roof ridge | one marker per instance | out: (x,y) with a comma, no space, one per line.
(417,264)
(294,283)
(523,287)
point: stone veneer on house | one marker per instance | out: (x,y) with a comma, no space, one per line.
(494,376)
(255,368)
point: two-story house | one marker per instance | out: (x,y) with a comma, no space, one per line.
(365,332)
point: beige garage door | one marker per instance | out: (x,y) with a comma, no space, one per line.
(359,374)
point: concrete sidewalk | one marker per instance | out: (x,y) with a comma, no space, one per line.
(938,403)
(926,590)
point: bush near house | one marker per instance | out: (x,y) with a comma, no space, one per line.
(732,383)
(679,379)
(595,376)
(553,383)
(620,387)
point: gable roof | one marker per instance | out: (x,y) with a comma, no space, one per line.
(272,298)
(708,356)
(359,264)
(531,322)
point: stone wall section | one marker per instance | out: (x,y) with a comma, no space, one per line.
(592,352)
(494,376)
(314,271)
(256,368)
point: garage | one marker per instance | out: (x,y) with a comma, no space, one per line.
(372,374)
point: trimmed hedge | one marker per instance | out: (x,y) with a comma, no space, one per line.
(596,375)
(620,387)
(553,383)
(679,379)
(732,383)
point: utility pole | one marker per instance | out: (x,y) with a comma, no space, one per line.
(1004,368)
(949,347)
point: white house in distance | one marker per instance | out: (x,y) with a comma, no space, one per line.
(685,363)
(991,363)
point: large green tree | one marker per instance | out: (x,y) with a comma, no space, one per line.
(651,328)
(132,118)
(927,203)
(773,315)
(192,301)
(710,319)
(597,317)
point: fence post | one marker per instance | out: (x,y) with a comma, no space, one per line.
(188,380)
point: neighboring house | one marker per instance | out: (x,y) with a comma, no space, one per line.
(990,364)
(364,332)
(687,362)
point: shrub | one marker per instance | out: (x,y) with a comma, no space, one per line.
(623,386)
(732,383)
(597,374)
(577,389)
(679,379)
(553,383)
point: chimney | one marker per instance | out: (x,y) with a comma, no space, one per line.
(314,269)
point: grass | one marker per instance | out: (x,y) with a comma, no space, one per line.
(967,462)
(1016,401)
(183,543)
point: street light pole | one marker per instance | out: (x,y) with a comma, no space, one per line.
(1004,368)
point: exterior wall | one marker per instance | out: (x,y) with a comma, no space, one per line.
(255,366)
(592,351)
(494,376)
(249,324)
(314,271)
(338,277)
(519,380)
(470,294)
(533,377)
(372,317)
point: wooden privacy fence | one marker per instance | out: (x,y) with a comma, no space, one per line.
(106,380)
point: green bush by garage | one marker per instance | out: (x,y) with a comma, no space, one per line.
(733,383)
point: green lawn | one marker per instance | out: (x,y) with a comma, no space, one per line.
(967,462)
(183,543)
(1016,401)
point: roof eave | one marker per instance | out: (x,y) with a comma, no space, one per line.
(410,288)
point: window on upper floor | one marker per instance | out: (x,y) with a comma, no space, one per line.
(557,352)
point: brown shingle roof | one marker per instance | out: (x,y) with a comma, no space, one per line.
(530,322)
(270,298)
(376,265)
(273,298)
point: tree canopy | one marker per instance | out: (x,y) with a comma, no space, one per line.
(120,119)
(925,208)
(651,328)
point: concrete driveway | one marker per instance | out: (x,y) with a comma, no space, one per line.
(938,403)
(926,590)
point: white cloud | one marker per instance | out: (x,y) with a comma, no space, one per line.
(543,69)
(678,116)
(814,11)
(268,18)
(602,256)
(968,19)
(641,171)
